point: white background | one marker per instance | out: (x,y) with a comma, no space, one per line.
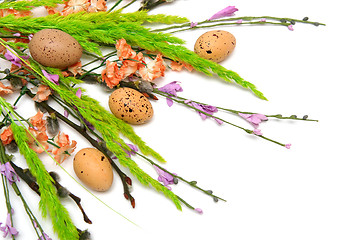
(308,192)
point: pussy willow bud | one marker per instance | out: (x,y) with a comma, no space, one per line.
(16,83)
(52,124)
(84,235)
(12,147)
(55,176)
(63,192)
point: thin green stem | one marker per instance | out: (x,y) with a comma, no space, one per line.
(179,177)
(180,101)
(245,19)
(127,5)
(115,5)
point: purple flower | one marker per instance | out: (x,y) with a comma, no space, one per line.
(164,177)
(8,229)
(133,150)
(78,93)
(171,89)
(9,55)
(30,36)
(257,132)
(46,237)
(254,119)
(226,12)
(51,77)
(204,108)
(66,114)
(193,24)
(199,210)
(8,171)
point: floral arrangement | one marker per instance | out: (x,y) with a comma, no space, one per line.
(137,56)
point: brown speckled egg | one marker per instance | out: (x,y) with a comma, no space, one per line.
(93,168)
(130,105)
(55,48)
(215,45)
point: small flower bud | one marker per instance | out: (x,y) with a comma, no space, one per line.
(283,20)
(316,24)
(305,19)
(209,191)
(7,71)
(176,181)
(305,117)
(193,182)
(293,116)
(216,199)
(292,22)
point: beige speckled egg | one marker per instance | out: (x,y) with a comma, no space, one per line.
(55,48)
(93,168)
(130,105)
(215,45)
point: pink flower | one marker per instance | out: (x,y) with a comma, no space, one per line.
(226,12)
(239,21)
(199,210)
(51,77)
(171,89)
(8,229)
(193,24)
(263,20)
(290,27)
(164,177)
(9,55)
(254,119)
(288,145)
(257,132)
(8,171)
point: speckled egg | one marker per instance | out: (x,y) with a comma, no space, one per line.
(55,48)
(215,45)
(93,169)
(130,105)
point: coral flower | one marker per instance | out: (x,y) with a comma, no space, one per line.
(40,143)
(51,10)
(38,122)
(111,75)
(97,6)
(66,147)
(7,136)
(42,93)
(124,50)
(74,6)
(178,66)
(76,68)
(129,67)
(5,89)
(154,69)
(16,13)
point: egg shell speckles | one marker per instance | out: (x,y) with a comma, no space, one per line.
(131,106)
(55,48)
(93,169)
(215,45)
